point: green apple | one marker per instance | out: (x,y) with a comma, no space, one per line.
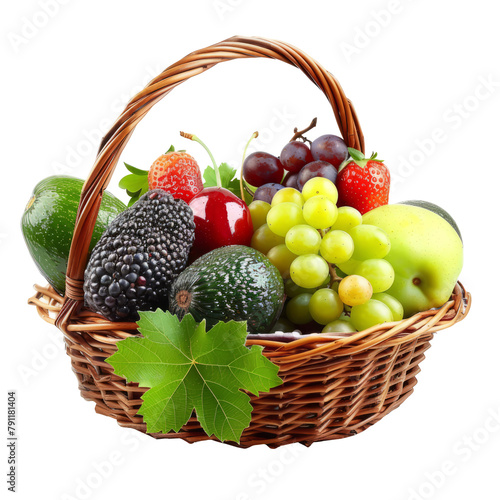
(426,254)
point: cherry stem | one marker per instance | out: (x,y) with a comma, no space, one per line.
(254,136)
(194,138)
(299,134)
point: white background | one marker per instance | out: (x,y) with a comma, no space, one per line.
(415,71)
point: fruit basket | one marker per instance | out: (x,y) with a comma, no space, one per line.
(334,385)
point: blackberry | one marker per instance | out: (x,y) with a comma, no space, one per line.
(139,255)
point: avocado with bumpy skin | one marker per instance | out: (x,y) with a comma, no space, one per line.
(234,282)
(48,223)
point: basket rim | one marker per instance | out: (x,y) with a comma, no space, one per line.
(49,303)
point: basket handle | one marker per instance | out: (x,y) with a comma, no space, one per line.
(116,139)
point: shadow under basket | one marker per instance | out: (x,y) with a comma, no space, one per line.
(334,385)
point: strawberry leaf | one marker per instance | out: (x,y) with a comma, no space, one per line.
(133,199)
(187,368)
(136,171)
(133,182)
(374,157)
(355,154)
(227,177)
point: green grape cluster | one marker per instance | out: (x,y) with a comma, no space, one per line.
(312,242)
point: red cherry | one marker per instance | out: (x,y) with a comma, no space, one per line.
(221,218)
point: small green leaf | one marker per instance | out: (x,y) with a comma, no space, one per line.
(227,174)
(132,200)
(133,182)
(355,154)
(170,149)
(187,368)
(135,196)
(209,176)
(136,171)
(374,157)
(227,177)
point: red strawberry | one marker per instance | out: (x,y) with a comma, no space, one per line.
(178,173)
(363,183)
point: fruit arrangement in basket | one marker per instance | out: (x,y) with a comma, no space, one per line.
(300,244)
(317,250)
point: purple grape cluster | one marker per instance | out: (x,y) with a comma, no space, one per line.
(296,164)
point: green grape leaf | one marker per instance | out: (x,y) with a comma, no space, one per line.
(187,368)
(227,177)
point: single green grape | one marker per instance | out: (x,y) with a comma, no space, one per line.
(326,282)
(281,218)
(378,272)
(392,303)
(339,326)
(347,218)
(264,239)
(337,247)
(320,212)
(370,242)
(288,194)
(344,316)
(303,239)
(292,289)
(322,187)
(369,314)
(297,309)
(325,306)
(309,271)
(355,290)
(349,267)
(282,258)
(258,212)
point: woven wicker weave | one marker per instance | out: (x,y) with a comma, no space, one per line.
(333,385)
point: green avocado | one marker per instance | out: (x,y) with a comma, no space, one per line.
(49,219)
(436,209)
(234,282)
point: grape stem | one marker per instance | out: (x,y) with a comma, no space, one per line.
(299,134)
(333,274)
(254,136)
(194,138)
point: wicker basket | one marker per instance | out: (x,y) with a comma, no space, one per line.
(333,385)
